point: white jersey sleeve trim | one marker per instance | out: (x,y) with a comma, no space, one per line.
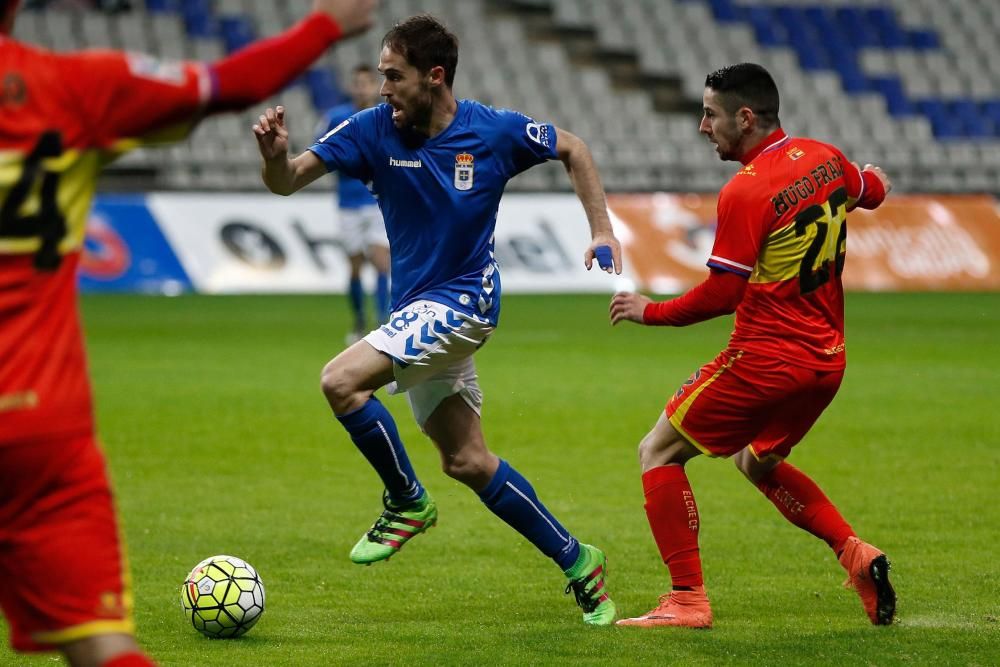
(861,175)
(729,262)
(204,84)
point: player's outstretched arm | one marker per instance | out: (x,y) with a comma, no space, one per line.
(720,294)
(130,95)
(575,155)
(280,174)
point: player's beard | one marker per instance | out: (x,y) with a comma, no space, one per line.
(727,142)
(417,114)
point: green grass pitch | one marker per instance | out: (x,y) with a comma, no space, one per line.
(220,442)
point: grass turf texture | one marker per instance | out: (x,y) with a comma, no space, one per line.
(220,442)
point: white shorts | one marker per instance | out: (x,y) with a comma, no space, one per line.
(361,228)
(431,346)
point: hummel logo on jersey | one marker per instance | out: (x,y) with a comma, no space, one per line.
(412,164)
(538,132)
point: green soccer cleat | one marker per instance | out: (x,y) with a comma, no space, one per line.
(394,528)
(586,580)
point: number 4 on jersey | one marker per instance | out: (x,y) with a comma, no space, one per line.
(48,223)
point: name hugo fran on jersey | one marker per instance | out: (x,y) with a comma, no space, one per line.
(808,185)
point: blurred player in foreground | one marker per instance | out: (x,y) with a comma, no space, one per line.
(778,255)
(65,583)
(362,230)
(438,167)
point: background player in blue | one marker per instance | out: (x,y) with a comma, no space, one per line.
(362,231)
(438,168)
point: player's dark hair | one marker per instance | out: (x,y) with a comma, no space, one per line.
(747,85)
(425,43)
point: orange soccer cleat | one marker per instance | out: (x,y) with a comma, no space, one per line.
(686,609)
(868,574)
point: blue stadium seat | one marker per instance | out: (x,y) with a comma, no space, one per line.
(766,30)
(851,77)
(991,110)
(198,18)
(943,123)
(832,38)
(161,6)
(236,32)
(969,114)
(895,97)
(324,89)
(924,40)
(725,11)
(884,20)
(855,29)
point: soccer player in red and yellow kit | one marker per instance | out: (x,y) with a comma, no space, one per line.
(778,256)
(62,564)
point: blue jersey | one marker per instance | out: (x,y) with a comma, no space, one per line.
(439,196)
(351,193)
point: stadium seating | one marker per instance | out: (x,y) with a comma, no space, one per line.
(909,84)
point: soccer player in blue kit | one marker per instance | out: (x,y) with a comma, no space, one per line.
(438,167)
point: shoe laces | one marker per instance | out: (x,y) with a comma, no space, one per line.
(673,599)
(586,591)
(381,525)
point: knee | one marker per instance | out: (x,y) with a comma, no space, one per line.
(99,649)
(338,388)
(664,446)
(739,460)
(469,467)
(751,468)
(650,451)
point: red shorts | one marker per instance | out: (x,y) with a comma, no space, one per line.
(63,575)
(742,398)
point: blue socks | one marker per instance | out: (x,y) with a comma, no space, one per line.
(357,298)
(373,431)
(510,497)
(382,298)
(356,295)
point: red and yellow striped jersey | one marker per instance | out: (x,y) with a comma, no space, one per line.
(65,117)
(783,225)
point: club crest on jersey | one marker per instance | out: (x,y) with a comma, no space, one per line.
(463,171)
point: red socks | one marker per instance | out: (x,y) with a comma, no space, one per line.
(673,515)
(129,660)
(673,518)
(803,503)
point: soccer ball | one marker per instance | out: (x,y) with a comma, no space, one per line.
(223,596)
